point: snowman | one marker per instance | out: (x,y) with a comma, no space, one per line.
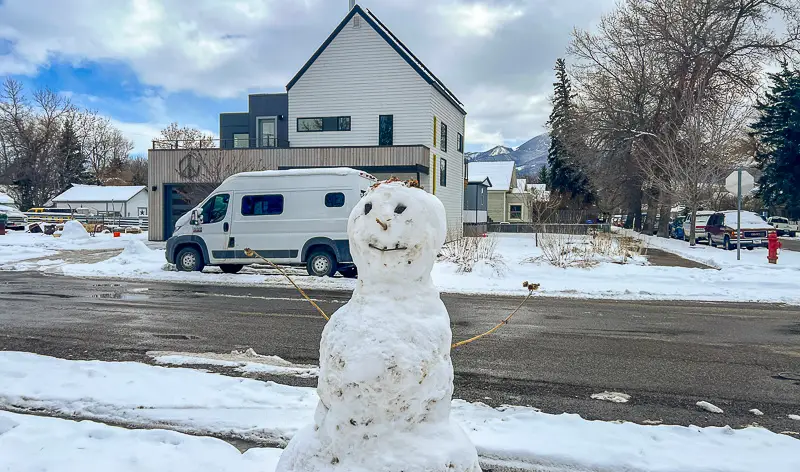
(386,379)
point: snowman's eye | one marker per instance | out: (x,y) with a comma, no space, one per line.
(400,208)
(367,208)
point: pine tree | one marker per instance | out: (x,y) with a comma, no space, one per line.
(72,161)
(544,176)
(778,131)
(563,173)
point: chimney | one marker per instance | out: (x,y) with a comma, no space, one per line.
(352,4)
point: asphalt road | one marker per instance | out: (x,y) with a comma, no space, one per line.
(554,354)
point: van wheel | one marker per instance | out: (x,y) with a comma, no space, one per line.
(321,263)
(231,268)
(350,272)
(189,260)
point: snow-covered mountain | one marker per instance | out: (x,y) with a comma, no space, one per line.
(530,156)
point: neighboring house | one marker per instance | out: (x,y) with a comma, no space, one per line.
(502,206)
(126,201)
(476,199)
(362,100)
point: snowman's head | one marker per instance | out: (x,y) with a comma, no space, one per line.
(396,232)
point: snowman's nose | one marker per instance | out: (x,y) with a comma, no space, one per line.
(383,225)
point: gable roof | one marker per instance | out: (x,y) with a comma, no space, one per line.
(97,193)
(395,43)
(481,180)
(498,172)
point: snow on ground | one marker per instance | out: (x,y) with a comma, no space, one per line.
(710,407)
(18,246)
(38,444)
(205,403)
(247,361)
(751,279)
(615,397)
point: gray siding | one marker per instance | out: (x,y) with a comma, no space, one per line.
(476,197)
(230,123)
(163,165)
(270,104)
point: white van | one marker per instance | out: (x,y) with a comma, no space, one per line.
(288,216)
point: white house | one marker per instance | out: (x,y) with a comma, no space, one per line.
(364,87)
(126,201)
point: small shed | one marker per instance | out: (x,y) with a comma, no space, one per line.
(127,201)
(476,205)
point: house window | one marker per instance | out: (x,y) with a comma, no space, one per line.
(459,142)
(516,212)
(330,123)
(215,208)
(241,140)
(385,130)
(443,138)
(334,200)
(267,129)
(256,205)
(442,172)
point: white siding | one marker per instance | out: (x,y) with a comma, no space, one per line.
(126,208)
(139,200)
(360,75)
(452,195)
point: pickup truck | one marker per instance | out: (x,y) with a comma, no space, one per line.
(782,226)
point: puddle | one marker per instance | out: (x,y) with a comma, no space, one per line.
(44,294)
(185,337)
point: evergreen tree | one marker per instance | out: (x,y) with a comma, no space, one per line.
(72,161)
(778,132)
(544,176)
(563,173)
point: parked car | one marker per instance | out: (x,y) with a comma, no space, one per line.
(15,218)
(700,233)
(782,226)
(296,217)
(721,229)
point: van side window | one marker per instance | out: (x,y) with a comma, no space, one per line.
(257,205)
(215,209)
(333,200)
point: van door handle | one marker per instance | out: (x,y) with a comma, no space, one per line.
(225,227)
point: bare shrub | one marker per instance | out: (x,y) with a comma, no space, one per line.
(570,250)
(468,251)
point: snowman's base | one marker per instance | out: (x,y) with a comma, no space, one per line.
(429,448)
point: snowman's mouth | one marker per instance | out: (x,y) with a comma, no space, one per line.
(388,249)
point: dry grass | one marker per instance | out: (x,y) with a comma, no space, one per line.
(569,250)
(468,251)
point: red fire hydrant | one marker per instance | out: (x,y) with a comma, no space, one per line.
(772,246)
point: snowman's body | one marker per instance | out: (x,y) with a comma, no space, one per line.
(386,379)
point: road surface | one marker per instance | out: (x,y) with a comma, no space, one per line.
(554,355)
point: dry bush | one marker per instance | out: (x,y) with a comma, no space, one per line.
(569,250)
(467,251)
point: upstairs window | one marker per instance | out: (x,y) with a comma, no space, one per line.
(385,130)
(459,142)
(241,140)
(443,138)
(442,172)
(330,123)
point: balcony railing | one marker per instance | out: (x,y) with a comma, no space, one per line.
(267,141)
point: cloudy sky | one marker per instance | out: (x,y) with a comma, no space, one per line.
(145,63)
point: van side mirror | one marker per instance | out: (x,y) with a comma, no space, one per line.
(195,218)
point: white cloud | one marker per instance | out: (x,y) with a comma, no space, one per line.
(478,19)
(498,115)
(143,134)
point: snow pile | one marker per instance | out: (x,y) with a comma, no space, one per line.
(135,259)
(205,403)
(74,230)
(247,361)
(386,379)
(38,444)
(614,397)
(710,407)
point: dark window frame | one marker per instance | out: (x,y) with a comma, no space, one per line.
(460,142)
(322,120)
(336,194)
(442,172)
(443,136)
(207,215)
(253,205)
(381,142)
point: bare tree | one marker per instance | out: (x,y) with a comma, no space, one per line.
(175,136)
(690,156)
